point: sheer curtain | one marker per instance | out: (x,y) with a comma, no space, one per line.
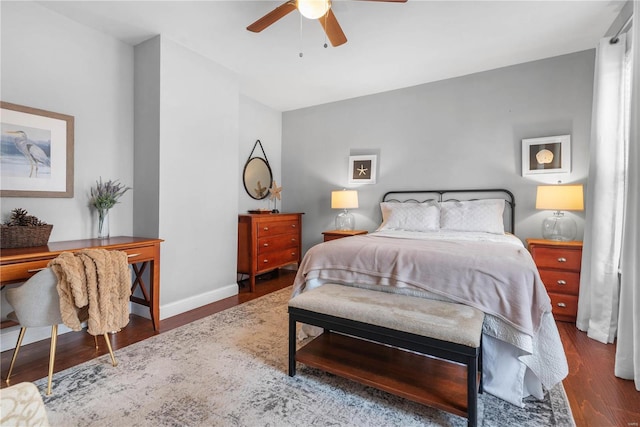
(599,280)
(627,364)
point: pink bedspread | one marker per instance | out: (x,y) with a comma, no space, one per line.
(498,278)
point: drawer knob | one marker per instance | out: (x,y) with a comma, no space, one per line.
(562,282)
(265,245)
(266,261)
(293,225)
(266,228)
(293,239)
(561,304)
(562,259)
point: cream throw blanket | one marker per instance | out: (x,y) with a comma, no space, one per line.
(96,281)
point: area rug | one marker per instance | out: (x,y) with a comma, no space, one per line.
(230,369)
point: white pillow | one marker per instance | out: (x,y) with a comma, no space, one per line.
(410,216)
(473,215)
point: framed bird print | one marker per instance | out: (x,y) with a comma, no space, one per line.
(549,154)
(36,152)
(362,169)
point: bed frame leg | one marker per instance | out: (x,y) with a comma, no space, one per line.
(292,346)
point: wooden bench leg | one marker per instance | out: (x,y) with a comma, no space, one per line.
(292,346)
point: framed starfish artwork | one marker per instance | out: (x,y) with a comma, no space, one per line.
(36,152)
(362,169)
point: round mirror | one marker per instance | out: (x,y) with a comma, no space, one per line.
(257,178)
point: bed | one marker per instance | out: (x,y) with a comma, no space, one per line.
(456,245)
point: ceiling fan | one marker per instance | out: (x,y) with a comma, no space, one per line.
(311,9)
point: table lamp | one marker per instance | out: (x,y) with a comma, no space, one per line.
(344,199)
(559,198)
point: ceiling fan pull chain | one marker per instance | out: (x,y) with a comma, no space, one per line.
(300,54)
(325,26)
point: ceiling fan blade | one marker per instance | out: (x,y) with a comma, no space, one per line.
(332,28)
(271,17)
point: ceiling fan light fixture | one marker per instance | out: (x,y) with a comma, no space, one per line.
(313,9)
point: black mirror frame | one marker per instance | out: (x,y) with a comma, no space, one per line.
(244,171)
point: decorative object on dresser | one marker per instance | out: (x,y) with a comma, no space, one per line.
(339,234)
(344,199)
(559,267)
(36,153)
(274,194)
(267,242)
(559,198)
(22,230)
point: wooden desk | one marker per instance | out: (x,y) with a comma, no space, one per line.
(18,265)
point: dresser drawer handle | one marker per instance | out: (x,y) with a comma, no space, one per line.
(35,270)
(562,282)
(561,304)
(266,228)
(293,239)
(293,225)
(562,259)
(265,245)
(266,261)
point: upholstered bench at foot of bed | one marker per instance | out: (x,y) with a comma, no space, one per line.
(448,331)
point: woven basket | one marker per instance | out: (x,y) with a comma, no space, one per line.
(26,236)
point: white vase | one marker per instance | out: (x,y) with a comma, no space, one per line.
(103,224)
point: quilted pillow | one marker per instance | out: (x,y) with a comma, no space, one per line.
(410,216)
(473,215)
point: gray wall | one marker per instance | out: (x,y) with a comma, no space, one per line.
(464,132)
(188,136)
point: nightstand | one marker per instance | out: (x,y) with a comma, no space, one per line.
(559,267)
(339,234)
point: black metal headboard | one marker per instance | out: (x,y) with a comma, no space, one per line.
(421,196)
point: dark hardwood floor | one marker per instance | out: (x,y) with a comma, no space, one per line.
(597,397)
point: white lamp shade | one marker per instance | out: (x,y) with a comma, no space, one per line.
(560,197)
(313,9)
(344,199)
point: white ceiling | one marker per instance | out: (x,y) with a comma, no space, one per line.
(390,45)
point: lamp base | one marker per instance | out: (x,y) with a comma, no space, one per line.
(559,228)
(345,221)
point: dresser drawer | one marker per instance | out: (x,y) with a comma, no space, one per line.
(564,307)
(562,282)
(21,271)
(274,228)
(140,254)
(559,258)
(271,260)
(275,243)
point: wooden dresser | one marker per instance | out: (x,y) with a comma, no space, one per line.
(559,267)
(268,241)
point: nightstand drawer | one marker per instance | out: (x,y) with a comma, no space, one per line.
(564,307)
(563,282)
(559,258)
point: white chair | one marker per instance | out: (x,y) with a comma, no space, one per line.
(36,304)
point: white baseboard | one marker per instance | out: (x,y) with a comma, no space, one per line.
(184,305)
(9,336)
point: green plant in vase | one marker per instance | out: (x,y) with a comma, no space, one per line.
(104,196)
